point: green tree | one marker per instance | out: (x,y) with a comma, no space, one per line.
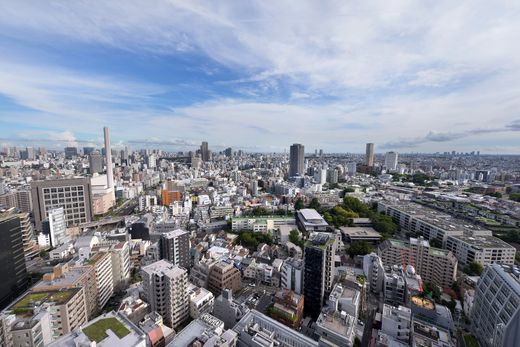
(431,290)
(473,269)
(315,204)
(359,248)
(298,205)
(514,197)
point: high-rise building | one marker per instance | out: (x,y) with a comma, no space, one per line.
(12,262)
(292,275)
(296,160)
(320,251)
(228,152)
(108,155)
(71,152)
(73,194)
(175,247)
(391,161)
(88,150)
(166,290)
(54,227)
(495,316)
(95,162)
(369,159)
(204,151)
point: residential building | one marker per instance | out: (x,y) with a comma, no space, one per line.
(20,198)
(175,247)
(261,224)
(297,160)
(434,265)
(320,251)
(12,260)
(54,227)
(495,317)
(227,310)
(199,273)
(102,264)
(224,275)
(166,290)
(484,250)
(346,299)
(73,194)
(288,308)
(391,161)
(335,328)
(201,301)
(397,322)
(292,275)
(206,330)
(369,157)
(374,272)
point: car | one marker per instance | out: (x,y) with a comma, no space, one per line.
(361,322)
(252,285)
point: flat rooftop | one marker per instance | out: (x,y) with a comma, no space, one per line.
(26,304)
(360,232)
(165,267)
(484,241)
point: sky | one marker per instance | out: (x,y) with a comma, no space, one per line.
(410,76)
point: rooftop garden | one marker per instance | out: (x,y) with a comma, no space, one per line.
(98,331)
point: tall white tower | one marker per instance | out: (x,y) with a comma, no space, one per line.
(108,155)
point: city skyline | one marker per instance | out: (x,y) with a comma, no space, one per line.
(409,77)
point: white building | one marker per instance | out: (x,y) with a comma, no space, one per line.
(495,316)
(292,275)
(397,322)
(166,290)
(55,227)
(484,250)
(374,272)
(391,161)
(201,301)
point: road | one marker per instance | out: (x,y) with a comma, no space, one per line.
(367,333)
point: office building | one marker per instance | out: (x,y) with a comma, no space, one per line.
(71,152)
(88,150)
(73,194)
(309,220)
(166,290)
(434,265)
(291,275)
(224,275)
(256,330)
(54,227)
(296,160)
(261,224)
(320,251)
(228,152)
(95,160)
(484,250)
(204,151)
(391,161)
(495,318)
(369,157)
(12,260)
(206,330)
(175,247)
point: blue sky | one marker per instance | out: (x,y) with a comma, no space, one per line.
(408,75)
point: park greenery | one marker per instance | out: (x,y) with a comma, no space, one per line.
(473,269)
(359,248)
(431,290)
(294,237)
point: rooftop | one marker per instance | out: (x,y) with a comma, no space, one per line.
(360,232)
(484,241)
(423,302)
(31,300)
(164,267)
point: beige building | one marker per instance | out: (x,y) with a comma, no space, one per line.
(166,290)
(434,265)
(224,275)
(63,276)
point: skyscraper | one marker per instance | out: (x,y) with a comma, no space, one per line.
(95,162)
(12,262)
(204,151)
(108,154)
(296,160)
(391,161)
(319,269)
(369,159)
(175,247)
(166,290)
(71,152)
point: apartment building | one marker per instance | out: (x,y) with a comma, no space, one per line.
(484,250)
(201,300)
(166,290)
(175,247)
(288,308)
(291,275)
(102,264)
(261,224)
(397,322)
(224,275)
(434,265)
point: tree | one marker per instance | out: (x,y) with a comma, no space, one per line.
(294,237)
(315,204)
(497,195)
(359,248)
(514,197)
(473,269)
(435,243)
(298,205)
(357,342)
(431,290)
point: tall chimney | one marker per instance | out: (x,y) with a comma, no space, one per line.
(108,155)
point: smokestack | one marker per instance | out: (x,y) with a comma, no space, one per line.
(108,155)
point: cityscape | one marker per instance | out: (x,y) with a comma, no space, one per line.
(255,174)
